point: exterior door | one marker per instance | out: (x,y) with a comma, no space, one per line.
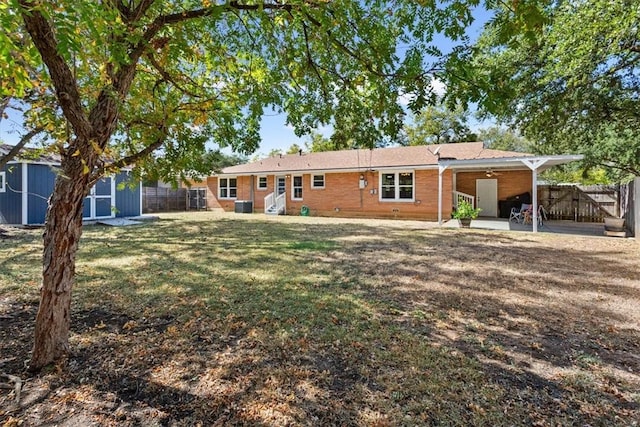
(487,197)
(98,204)
(281,185)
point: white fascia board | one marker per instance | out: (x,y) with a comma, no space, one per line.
(336,170)
(511,161)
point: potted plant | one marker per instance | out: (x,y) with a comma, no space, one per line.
(465,212)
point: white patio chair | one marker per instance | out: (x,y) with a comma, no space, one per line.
(518,214)
(515,215)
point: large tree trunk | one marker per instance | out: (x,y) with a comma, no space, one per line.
(63,229)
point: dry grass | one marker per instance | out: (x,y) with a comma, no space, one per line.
(208,319)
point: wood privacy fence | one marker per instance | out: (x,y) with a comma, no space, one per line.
(158,199)
(581,203)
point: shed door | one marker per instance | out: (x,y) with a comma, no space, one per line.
(487,197)
(98,204)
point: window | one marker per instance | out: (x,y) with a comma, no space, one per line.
(262,183)
(296,185)
(228,188)
(3,177)
(317,181)
(396,186)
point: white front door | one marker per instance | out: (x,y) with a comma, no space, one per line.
(487,197)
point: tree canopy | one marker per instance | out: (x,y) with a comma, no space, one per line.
(116,81)
(567,74)
(439,124)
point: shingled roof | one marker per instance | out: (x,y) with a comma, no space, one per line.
(395,157)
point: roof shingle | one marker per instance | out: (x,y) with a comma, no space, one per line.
(363,159)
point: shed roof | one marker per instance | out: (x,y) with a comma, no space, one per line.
(31,155)
(362,159)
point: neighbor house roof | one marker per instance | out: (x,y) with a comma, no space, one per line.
(379,158)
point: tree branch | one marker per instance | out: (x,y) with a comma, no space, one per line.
(168,77)
(64,82)
(19,146)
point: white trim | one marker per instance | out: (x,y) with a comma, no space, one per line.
(396,185)
(228,187)
(266,183)
(25,194)
(140,205)
(337,170)
(318,187)
(3,182)
(293,186)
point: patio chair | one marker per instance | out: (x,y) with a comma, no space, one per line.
(528,215)
(518,214)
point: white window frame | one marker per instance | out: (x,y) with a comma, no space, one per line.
(294,187)
(266,182)
(396,184)
(228,187)
(313,181)
(3,182)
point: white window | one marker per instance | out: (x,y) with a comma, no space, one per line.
(262,182)
(296,187)
(227,188)
(317,181)
(3,184)
(397,186)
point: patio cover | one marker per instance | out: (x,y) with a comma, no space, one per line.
(534,163)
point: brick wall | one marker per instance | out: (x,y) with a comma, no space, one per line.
(341,196)
(510,183)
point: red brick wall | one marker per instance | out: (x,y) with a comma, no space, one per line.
(342,196)
(510,183)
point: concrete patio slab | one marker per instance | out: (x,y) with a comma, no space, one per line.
(552,226)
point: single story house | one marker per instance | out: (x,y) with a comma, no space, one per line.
(417,182)
(27,183)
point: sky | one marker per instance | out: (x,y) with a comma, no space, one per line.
(275,133)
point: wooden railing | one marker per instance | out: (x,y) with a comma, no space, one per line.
(458,195)
(281,203)
(269,201)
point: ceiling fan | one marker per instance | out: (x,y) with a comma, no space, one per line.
(490,173)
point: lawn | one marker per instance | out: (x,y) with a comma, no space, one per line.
(223,319)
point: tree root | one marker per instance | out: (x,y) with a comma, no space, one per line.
(17,387)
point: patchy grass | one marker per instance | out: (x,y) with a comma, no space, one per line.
(209,319)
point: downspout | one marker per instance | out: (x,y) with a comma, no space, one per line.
(252,191)
(441,169)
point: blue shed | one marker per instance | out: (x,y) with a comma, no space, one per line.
(25,187)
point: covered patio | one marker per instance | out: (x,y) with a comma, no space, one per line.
(552,226)
(494,167)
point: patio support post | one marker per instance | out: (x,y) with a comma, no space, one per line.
(441,169)
(534,165)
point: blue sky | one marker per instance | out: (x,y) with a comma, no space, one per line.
(275,133)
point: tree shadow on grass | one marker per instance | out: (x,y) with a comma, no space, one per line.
(272,324)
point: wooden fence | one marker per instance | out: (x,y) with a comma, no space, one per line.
(163,199)
(581,203)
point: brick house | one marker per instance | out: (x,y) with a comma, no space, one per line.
(421,182)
